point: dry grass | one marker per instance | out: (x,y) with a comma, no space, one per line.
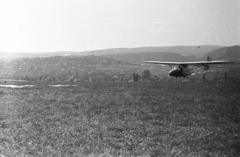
(121,119)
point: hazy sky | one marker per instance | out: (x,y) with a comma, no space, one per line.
(78,25)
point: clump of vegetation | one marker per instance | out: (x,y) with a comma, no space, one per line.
(146,75)
(121,119)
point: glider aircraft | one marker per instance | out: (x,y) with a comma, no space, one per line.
(187,68)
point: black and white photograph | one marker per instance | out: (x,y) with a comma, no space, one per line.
(119,78)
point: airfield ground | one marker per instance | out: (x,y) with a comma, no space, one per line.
(121,119)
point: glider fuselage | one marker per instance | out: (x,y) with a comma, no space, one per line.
(180,71)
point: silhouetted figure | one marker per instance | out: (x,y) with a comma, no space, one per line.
(204,77)
(180,68)
(209,58)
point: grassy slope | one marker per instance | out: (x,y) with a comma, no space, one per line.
(104,119)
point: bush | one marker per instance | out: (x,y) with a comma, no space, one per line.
(146,75)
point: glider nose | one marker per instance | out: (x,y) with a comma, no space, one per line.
(174,72)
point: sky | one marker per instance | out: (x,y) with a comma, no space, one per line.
(81,25)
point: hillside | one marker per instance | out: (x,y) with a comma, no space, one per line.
(60,68)
(4,56)
(139,58)
(196,51)
(226,53)
(183,50)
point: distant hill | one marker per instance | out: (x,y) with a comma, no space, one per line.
(197,51)
(165,53)
(139,58)
(4,56)
(226,53)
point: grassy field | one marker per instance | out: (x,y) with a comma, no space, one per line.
(121,119)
